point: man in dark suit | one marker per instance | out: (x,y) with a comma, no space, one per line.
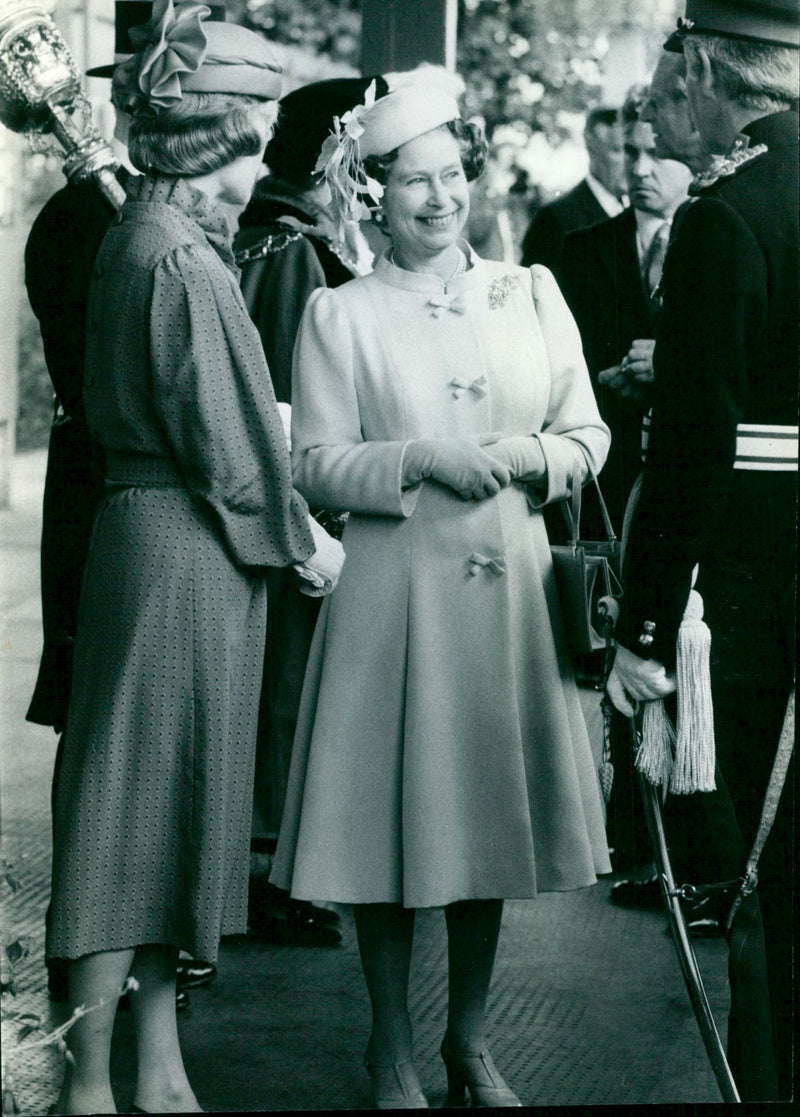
(598,196)
(720,486)
(607,274)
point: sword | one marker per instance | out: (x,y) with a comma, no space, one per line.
(680,934)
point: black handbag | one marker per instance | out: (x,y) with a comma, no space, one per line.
(585,572)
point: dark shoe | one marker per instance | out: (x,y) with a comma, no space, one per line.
(701,919)
(181,1001)
(192,973)
(284,928)
(308,910)
(266,896)
(644,895)
(706,928)
(476,1072)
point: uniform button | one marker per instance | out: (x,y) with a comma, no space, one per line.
(99,273)
(118,219)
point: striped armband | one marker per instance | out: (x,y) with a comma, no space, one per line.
(759,446)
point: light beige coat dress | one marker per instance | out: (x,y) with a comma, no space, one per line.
(440,752)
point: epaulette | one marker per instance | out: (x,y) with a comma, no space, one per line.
(268,246)
(723,166)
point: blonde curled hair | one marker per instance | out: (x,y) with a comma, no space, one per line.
(201,133)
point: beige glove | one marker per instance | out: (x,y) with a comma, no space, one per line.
(522,455)
(456,462)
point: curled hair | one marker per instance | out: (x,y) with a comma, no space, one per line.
(472,147)
(203,132)
(758,76)
(634,103)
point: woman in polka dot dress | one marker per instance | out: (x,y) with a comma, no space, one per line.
(153,813)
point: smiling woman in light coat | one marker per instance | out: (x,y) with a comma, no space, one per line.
(441,757)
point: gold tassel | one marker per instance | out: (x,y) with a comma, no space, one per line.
(695,747)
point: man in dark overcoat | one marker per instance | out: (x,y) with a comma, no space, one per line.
(597,196)
(720,482)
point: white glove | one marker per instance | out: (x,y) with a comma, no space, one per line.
(637,680)
(320,573)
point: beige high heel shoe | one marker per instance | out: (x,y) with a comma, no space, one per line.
(475,1071)
(395,1085)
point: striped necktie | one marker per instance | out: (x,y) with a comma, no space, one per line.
(654,258)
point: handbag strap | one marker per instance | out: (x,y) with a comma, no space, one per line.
(572,507)
(573,514)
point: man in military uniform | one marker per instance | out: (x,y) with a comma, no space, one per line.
(720,482)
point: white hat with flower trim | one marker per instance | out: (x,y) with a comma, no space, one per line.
(375,128)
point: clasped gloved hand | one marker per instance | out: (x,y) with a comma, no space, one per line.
(456,462)
(522,455)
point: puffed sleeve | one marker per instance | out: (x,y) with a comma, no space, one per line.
(214,398)
(334,467)
(573,421)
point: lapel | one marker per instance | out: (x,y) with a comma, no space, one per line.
(626,263)
(587,207)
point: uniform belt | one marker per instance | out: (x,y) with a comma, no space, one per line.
(141,470)
(759,446)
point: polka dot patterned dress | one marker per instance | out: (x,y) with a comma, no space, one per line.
(152,819)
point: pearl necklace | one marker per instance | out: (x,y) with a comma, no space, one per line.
(460,268)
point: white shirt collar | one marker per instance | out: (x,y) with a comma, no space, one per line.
(610,203)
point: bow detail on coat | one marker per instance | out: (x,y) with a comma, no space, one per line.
(441,303)
(478,386)
(478,562)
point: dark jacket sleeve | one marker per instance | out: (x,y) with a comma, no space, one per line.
(59,256)
(276,289)
(712,326)
(544,240)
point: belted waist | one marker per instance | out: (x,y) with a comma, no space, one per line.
(759,446)
(140,469)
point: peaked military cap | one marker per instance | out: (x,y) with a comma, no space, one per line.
(774,22)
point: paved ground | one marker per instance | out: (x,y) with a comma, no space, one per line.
(587,1008)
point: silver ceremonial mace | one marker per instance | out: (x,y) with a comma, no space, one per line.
(41,96)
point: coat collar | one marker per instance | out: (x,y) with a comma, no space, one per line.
(192,203)
(425,282)
(779,129)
